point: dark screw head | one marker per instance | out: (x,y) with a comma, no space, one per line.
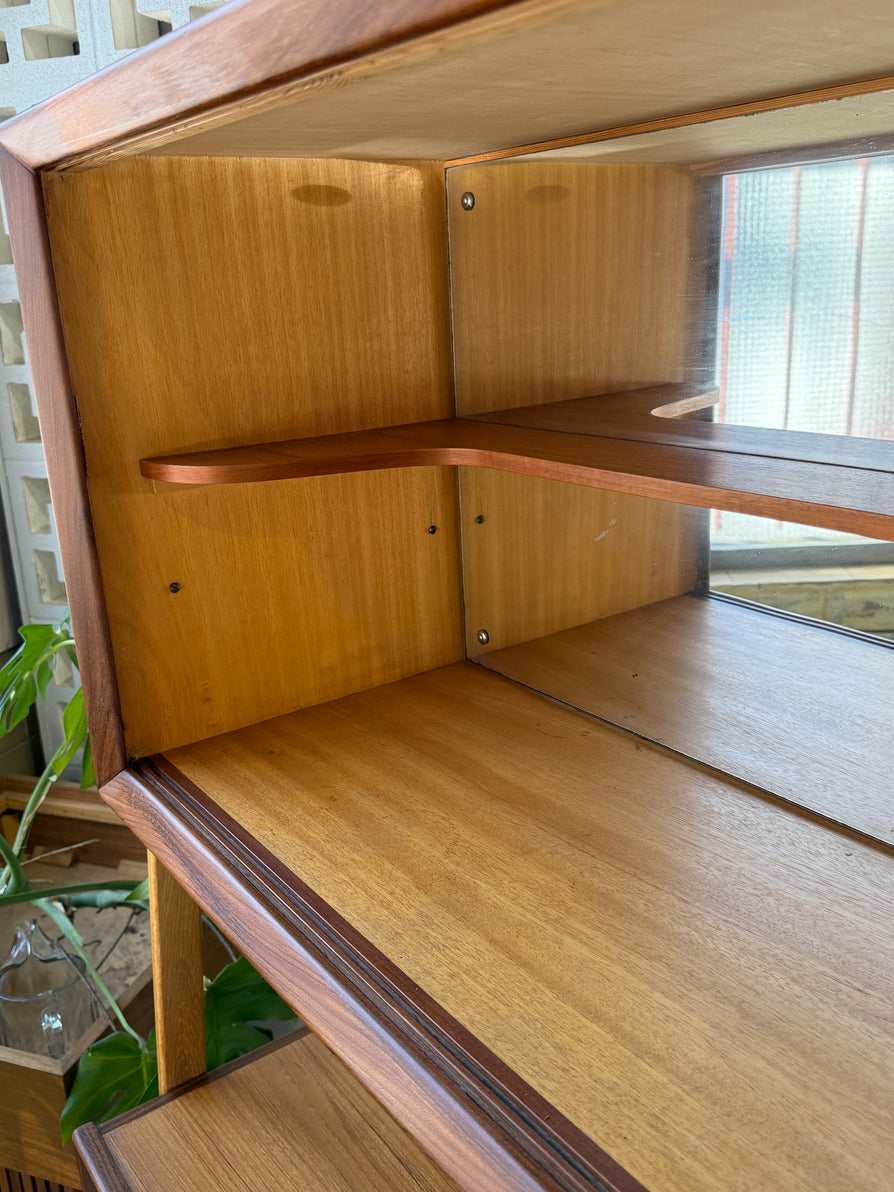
(480,519)
(467,202)
(173,588)
(432,529)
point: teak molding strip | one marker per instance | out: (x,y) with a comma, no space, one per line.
(859,499)
(256,47)
(477,1118)
(60,433)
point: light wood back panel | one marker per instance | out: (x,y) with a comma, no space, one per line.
(572,279)
(210,303)
(559,555)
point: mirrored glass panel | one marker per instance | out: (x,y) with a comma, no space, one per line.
(735,272)
(760,648)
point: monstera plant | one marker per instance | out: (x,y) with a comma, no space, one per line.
(120,1070)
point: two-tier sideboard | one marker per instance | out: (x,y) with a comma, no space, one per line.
(374,347)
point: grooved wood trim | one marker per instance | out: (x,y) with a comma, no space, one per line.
(470,1112)
(860,500)
(269,312)
(99,1171)
(227,56)
(61,440)
(177,979)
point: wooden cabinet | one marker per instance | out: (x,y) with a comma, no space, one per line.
(345,346)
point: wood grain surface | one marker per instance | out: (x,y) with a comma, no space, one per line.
(61,441)
(227,1133)
(696,976)
(196,69)
(32,1101)
(545,556)
(572,280)
(857,499)
(449,80)
(177,979)
(269,312)
(423,1076)
(658,414)
(799,710)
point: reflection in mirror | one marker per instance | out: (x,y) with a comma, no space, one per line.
(759,648)
(746,261)
(805,322)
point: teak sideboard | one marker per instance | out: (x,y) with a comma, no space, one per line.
(362,344)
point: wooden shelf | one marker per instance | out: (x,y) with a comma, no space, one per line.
(222,1132)
(795,708)
(666,414)
(557,919)
(856,498)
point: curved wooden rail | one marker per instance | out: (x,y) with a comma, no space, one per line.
(858,499)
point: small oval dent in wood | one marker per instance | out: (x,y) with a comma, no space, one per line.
(541,195)
(322,196)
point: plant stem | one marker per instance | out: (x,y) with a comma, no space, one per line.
(71,933)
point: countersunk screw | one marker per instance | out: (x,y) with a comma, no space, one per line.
(480,519)
(483,636)
(174,588)
(467,202)
(432,529)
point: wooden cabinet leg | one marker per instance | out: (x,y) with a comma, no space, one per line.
(177,978)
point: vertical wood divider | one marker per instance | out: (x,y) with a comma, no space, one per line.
(177,977)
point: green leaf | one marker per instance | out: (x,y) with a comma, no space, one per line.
(237,997)
(17,888)
(88,773)
(229,1043)
(45,674)
(113,1075)
(19,700)
(74,726)
(140,892)
(30,894)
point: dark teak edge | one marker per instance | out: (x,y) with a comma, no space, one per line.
(61,438)
(255,46)
(488,1123)
(99,1169)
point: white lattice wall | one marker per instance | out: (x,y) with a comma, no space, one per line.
(45,46)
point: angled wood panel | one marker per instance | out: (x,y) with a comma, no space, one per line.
(210,303)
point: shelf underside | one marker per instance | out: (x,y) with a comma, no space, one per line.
(800,710)
(693,976)
(757,477)
(224,1133)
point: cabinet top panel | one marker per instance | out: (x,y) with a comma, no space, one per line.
(448,79)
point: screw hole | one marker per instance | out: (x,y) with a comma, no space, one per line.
(432,529)
(480,519)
